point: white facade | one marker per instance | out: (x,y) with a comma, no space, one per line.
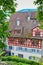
(25,52)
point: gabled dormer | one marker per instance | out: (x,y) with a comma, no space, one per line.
(37,32)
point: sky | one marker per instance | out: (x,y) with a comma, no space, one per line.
(24,4)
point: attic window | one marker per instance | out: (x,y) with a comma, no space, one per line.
(28,18)
(18,22)
(0,7)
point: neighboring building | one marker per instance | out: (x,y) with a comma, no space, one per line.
(25,40)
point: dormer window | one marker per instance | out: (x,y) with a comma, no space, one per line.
(0,7)
(28,18)
(18,23)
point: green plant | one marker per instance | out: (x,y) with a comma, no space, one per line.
(18,59)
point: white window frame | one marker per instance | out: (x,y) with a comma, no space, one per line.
(28,18)
(18,22)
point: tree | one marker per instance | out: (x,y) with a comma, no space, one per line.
(7,7)
(40,17)
(40,11)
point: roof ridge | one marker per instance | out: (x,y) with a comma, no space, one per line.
(27,10)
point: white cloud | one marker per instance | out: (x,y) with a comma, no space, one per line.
(23,4)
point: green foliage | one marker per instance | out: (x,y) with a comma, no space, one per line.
(8,7)
(3,29)
(38,2)
(2,45)
(15,63)
(39,11)
(2,16)
(19,60)
(40,14)
(2,52)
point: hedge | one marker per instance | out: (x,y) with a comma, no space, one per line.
(18,59)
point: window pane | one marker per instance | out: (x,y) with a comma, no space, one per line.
(10,47)
(28,18)
(30,57)
(20,55)
(18,23)
(13,54)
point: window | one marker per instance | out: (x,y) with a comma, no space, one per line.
(25,49)
(33,18)
(33,50)
(13,54)
(10,47)
(20,55)
(17,31)
(29,50)
(18,22)
(22,41)
(19,48)
(30,57)
(28,18)
(34,43)
(38,33)
(39,51)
